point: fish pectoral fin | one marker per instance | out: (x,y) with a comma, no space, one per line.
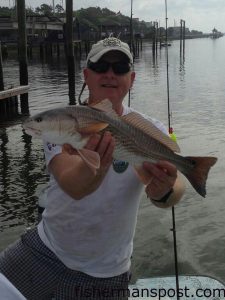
(143,175)
(137,120)
(91,158)
(105,106)
(93,128)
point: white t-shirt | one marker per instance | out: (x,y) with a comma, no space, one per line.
(94,235)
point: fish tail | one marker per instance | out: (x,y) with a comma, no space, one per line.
(199,173)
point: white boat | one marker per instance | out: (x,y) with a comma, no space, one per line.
(190,287)
(157,288)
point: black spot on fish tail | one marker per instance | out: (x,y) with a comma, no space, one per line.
(199,174)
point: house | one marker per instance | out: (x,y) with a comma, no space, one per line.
(38,28)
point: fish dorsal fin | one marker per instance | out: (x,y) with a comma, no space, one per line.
(91,158)
(150,129)
(105,106)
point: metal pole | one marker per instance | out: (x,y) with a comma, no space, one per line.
(131,39)
(175,251)
(173,209)
(53,6)
(167,69)
(131,28)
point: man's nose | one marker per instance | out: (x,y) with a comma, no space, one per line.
(110,72)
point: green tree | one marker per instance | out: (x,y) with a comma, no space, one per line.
(30,11)
(44,9)
(5,11)
(59,9)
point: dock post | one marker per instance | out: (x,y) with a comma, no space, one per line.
(156,36)
(183,37)
(70,51)
(41,48)
(2,103)
(154,40)
(1,70)
(51,49)
(58,49)
(22,45)
(79,36)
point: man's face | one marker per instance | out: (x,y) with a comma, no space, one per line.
(108,84)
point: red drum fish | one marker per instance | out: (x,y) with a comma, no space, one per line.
(137,139)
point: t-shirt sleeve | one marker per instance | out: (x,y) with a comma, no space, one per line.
(159,125)
(51,150)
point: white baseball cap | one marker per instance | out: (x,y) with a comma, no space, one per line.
(106,45)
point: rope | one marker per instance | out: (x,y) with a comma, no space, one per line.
(169,125)
(129,98)
(79,97)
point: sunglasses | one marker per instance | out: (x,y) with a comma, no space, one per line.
(118,67)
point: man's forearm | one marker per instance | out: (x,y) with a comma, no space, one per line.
(174,195)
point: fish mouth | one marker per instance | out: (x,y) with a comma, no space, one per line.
(31,131)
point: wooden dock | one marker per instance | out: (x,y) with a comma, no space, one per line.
(23,89)
(9,108)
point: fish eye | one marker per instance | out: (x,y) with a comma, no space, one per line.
(39,119)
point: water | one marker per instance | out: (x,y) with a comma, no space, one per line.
(197,93)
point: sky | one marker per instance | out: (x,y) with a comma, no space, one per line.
(202,15)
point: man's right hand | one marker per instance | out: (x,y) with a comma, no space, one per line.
(73,175)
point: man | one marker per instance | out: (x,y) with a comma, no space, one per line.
(83,245)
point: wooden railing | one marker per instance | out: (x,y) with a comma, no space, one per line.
(23,89)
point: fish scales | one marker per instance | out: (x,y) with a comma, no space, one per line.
(145,145)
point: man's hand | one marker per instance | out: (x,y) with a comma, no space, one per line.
(104,145)
(68,168)
(164,175)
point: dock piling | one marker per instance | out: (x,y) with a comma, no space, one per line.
(3,103)
(182,36)
(70,51)
(1,70)
(22,47)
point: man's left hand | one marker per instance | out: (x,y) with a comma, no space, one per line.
(164,175)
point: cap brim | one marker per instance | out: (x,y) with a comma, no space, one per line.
(97,56)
